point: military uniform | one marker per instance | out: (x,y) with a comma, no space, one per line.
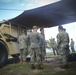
(63,44)
(42,46)
(54,47)
(72,45)
(23,47)
(35,39)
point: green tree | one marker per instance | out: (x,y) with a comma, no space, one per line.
(49,43)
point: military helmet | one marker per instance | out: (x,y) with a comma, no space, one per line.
(60,27)
(64,29)
(41,28)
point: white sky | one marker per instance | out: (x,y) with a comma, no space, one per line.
(39,3)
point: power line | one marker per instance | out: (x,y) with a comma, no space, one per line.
(11,9)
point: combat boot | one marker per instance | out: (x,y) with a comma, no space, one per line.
(21,61)
(64,66)
(40,66)
(32,66)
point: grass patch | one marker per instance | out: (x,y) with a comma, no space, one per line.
(50,68)
(16,69)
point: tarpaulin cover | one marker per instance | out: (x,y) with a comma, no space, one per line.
(58,13)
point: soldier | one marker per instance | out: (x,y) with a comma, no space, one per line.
(72,45)
(43,44)
(35,40)
(64,30)
(23,46)
(63,43)
(54,47)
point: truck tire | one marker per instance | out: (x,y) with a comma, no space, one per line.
(3,54)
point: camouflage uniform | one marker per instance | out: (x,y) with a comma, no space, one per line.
(63,44)
(72,45)
(23,46)
(54,47)
(42,46)
(35,39)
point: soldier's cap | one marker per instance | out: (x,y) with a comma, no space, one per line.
(64,29)
(35,27)
(60,27)
(41,28)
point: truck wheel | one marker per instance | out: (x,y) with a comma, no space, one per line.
(3,54)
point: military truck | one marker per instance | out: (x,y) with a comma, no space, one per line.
(8,42)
